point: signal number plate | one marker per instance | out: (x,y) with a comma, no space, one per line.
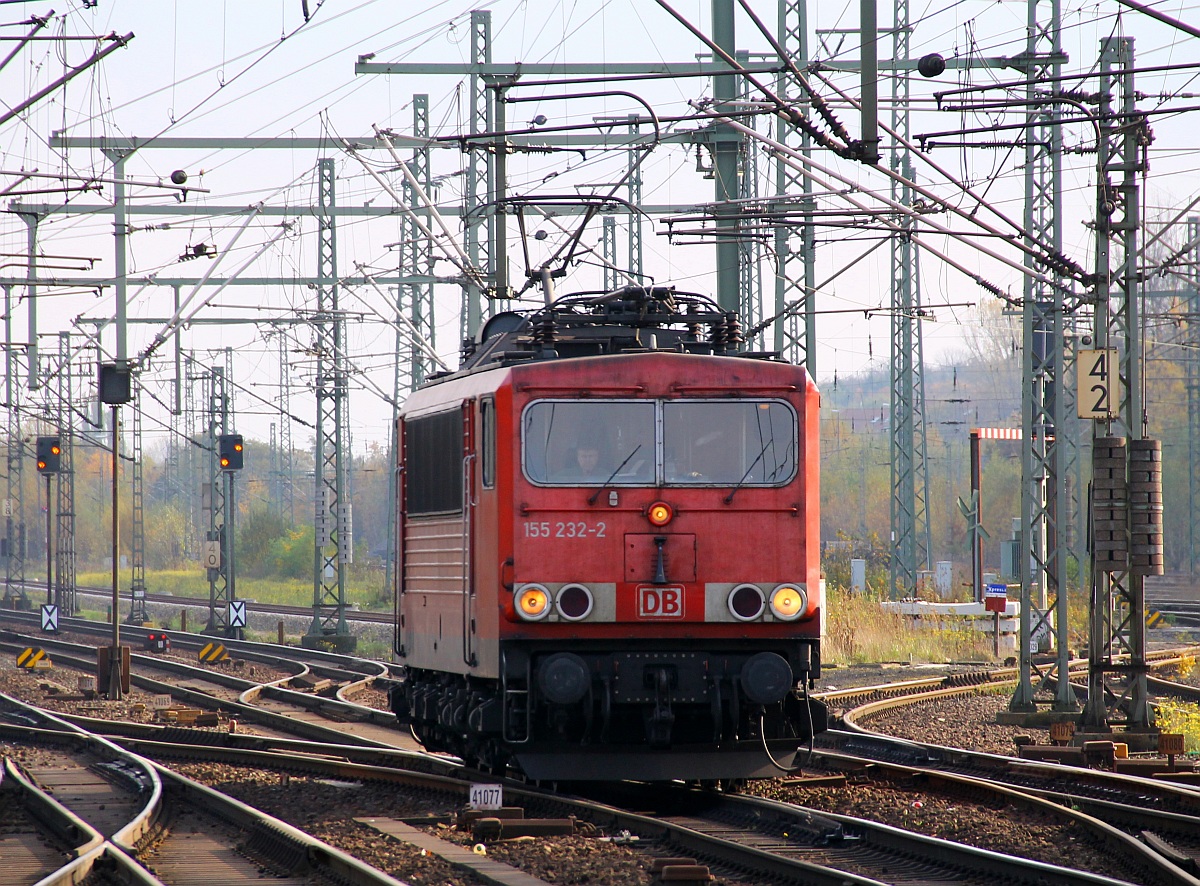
(486,796)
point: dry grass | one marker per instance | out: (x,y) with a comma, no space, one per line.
(858,631)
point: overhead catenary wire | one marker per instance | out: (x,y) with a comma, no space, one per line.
(796,160)
(179,319)
(452,252)
(406,327)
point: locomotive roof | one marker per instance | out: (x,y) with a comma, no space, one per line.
(632,319)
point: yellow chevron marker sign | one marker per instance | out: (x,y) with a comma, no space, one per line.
(214,652)
(33,657)
(1154,618)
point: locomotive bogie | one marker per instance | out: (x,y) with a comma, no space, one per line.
(560,713)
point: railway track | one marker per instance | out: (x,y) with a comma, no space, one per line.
(733,834)
(690,831)
(121,819)
(38,835)
(1162,815)
(270,706)
(1136,816)
(105,594)
(745,837)
(315,659)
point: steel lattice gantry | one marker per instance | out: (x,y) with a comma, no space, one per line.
(479,215)
(15,595)
(484,222)
(283,483)
(1117,691)
(795,279)
(195,455)
(332,530)
(910,481)
(64,537)
(1043,561)
(218,551)
(138,613)
(1193,401)
(414,305)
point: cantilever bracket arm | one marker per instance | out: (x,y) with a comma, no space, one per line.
(117,43)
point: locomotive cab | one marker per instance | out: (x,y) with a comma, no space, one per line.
(609,551)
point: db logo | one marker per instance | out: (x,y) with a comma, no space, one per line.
(655,601)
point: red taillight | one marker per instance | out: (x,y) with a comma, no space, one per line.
(574,602)
(746,602)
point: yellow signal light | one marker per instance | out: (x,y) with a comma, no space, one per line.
(660,513)
(533,602)
(788,602)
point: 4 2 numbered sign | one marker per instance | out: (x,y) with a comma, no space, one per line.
(1098,394)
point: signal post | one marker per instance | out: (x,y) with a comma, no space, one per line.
(230,457)
(49,462)
(112,663)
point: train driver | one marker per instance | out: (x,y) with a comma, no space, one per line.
(587,464)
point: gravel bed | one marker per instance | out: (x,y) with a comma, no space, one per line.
(325,809)
(247,670)
(369,696)
(960,721)
(1013,830)
(834,677)
(254,671)
(53,691)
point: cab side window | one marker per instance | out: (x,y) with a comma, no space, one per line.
(487,441)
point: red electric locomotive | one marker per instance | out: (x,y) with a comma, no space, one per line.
(608,547)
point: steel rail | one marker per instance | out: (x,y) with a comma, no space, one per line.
(268,653)
(345,711)
(868,700)
(331,863)
(60,822)
(862,839)
(857,837)
(1178,690)
(110,854)
(684,839)
(250,689)
(689,838)
(1166,815)
(1099,816)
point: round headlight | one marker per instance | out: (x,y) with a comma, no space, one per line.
(660,513)
(788,602)
(746,602)
(533,602)
(574,602)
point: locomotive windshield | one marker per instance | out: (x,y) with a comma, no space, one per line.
(648,442)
